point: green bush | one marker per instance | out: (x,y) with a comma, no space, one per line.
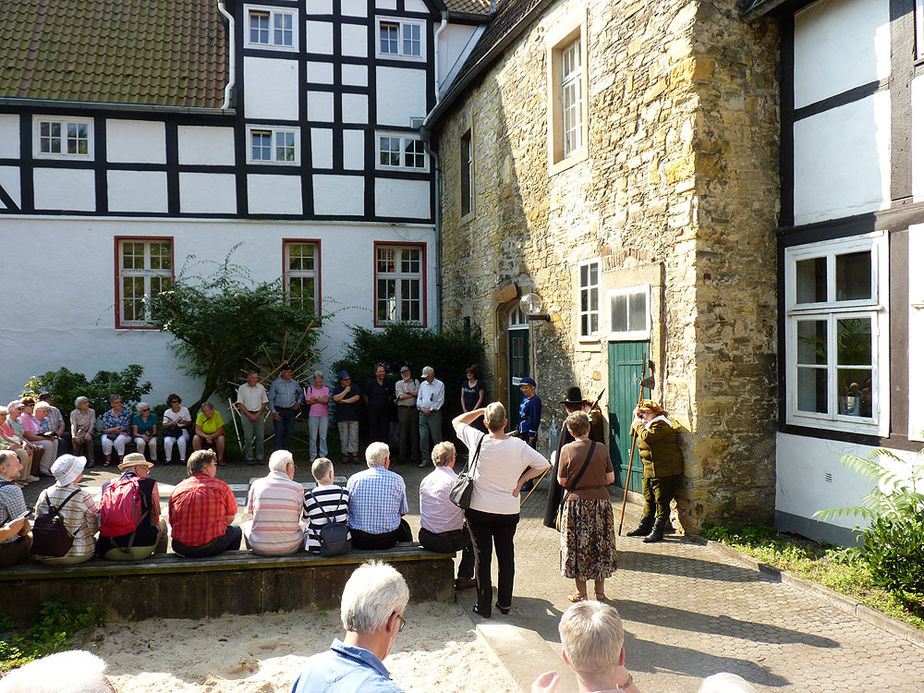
(894,551)
(55,629)
(65,386)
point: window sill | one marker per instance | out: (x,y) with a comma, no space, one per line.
(575,157)
(467,218)
(588,344)
(866,428)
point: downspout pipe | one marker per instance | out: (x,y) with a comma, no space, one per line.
(231,45)
(444,18)
(437,216)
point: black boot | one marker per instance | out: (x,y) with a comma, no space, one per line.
(643,528)
(657,532)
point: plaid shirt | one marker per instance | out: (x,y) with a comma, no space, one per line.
(378,499)
(12,504)
(198,507)
(81,516)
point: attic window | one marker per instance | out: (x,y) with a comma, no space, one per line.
(271,28)
(63,138)
(401,39)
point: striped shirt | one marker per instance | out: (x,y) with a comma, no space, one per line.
(12,505)
(378,499)
(198,507)
(334,501)
(81,516)
(275,501)
(437,513)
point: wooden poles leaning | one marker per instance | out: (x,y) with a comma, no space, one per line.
(641,391)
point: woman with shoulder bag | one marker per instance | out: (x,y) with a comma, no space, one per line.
(498,471)
(588,537)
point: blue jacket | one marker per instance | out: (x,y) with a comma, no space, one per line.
(530,414)
(344,669)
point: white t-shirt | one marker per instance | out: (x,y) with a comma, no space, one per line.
(500,464)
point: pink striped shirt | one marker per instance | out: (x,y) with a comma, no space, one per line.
(276,504)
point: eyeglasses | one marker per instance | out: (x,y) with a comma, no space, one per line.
(403,621)
(144,410)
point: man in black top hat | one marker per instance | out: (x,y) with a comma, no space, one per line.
(573,401)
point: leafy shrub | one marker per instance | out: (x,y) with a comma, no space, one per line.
(65,386)
(894,551)
(55,629)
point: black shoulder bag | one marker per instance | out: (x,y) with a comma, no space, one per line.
(461,493)
(564,497)
(333,535)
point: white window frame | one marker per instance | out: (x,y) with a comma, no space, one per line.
(567,93)
(629,335)
(273,13)
(147,273)
(919,28)
(399,276)
(572,99)
(875,308)
(313,275)
(404,140)
(63,122)
(588,335)
(404,25)
(274,131)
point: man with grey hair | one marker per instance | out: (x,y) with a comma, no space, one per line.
(430,399)
(378,502)
(202,508)
(251,403)
(592,639)
(275,501)
(372,612)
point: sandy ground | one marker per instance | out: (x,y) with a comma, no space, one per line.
(437,651)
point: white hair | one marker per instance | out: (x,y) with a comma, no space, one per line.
(495,416)
(80,400)
(279,460)
(592,636)
(42,405)
(443,453)
(141,405)
(377,454)
(725,682)
(373,593)
(73,671)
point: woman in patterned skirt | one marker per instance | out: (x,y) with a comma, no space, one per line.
(588,538)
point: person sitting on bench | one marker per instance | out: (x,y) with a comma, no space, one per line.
(378,502)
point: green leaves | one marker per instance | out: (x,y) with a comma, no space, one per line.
(65,386)
(55,629)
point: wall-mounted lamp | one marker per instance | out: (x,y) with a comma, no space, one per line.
(531,304)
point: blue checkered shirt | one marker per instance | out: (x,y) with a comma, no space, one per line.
(378,499)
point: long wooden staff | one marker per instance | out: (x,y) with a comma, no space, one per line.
(625,493)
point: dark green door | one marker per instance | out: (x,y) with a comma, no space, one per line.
(625,373)
(518,353)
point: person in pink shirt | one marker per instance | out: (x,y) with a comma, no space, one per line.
(317,396)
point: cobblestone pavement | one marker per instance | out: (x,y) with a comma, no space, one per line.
(689,612)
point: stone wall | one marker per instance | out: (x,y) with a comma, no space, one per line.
(678,190)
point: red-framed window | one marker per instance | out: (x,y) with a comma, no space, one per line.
(301,273)
(143,268)
(400,283)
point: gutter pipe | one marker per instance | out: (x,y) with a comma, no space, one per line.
(231,39)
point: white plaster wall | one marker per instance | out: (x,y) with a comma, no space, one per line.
(338,195)
(801,488)
(270,88)
(9,136)
(137,191)
(135,141)
(385,4)
(64,189)
(320,73)
(454,48)
(839,45)
(841,160)
(208,193)
(268,194)
(353,41)
(322,147)
(205,145)
(916,333)
(9,180)
(354,150)
(415,6)
(319,37)
(83,337)
(401,94)
(354,75)
(321,106)
(917,139)
(408,199)
(355,108)
(320,7)
(353,8)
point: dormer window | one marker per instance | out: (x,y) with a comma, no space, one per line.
(63,138)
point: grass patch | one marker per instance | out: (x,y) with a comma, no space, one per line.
(836,568)
(56,627)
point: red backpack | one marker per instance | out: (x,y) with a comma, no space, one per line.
(120,510)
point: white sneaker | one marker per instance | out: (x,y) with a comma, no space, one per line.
(33,479)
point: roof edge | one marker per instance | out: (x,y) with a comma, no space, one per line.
(114,106)
(755,9)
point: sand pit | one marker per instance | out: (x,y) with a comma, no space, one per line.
(437,651)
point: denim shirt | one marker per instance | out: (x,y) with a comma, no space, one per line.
(344,669)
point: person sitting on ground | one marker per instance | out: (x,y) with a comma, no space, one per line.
(116,425)
(80,513)
(176,419)
(210,431)
(56,422)
(10,440)
(83,425)
(202,508)
(15,540)
(27,427)
(144,430)
(378,503)
(327,502)
(372,612)
(592,639)
(121,541)
(442,524)
(275,501)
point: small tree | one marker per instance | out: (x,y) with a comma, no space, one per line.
(65,386)
(223,324)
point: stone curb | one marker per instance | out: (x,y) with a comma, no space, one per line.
(851,606)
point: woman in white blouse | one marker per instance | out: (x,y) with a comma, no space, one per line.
(176,420)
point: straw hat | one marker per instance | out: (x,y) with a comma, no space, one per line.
(134,459)
(67,468)
(650,405)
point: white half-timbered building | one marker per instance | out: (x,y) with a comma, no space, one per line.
(135,134)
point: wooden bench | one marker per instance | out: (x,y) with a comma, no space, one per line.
(235,582)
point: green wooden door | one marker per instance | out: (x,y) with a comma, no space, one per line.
(518,353)
(625,372)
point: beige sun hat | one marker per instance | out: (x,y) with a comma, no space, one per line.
(135,459)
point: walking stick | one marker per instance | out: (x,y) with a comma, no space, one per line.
(625,493)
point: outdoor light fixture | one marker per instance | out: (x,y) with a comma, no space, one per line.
(531,304)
